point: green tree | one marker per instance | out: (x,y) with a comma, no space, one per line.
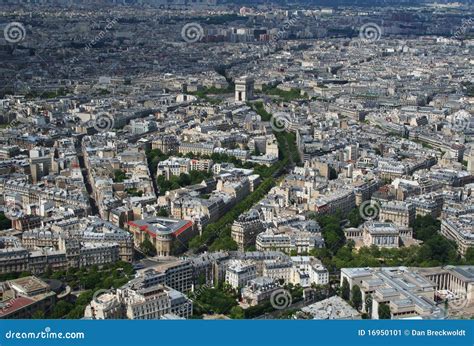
(48,273)
(147,247)
(213,300)
(76,313)
(61,309)
(5,223)
(163,212)
(25,274)
(345,289)
(237,313)
(119,176)
(356,297)
(38,315)
(384,312)
(354,218)
(184,179)
(91,279)
(332,173)
(470,256)
(134,192)
(368,305)
(84,298)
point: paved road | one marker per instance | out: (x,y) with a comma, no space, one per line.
(85,174)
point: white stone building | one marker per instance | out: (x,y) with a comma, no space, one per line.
(239,273)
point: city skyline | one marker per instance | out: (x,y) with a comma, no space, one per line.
(225,160)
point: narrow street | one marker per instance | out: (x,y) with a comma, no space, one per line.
(85,174)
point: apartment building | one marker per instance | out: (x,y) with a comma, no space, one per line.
(461,230)
(175,166)
(65,253)
(399,213)
(308,270)
(196,148)
(259,290)
(429,204)
(166,144)
(288,240)
(239,273)
(245,229)
(140,303)
(278,269)
(178,275)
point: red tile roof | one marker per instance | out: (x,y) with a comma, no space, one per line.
(15,304)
